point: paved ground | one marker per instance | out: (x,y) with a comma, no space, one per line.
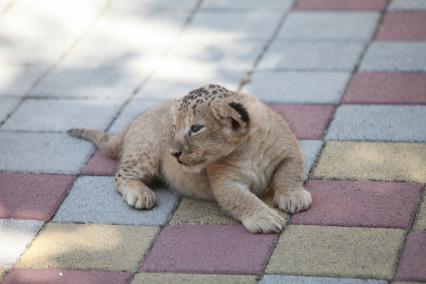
(348,75)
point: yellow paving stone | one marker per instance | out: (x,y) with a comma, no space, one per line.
(420,222)
(373,161)
(337,251)
(2,273)
(191,211)
(88,247)
(176,278)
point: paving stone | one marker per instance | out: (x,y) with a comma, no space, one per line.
(95,200)
(407,5)
(257,24)
(2,273)
(298,87)
(330,26)
(378,122)
(360,204)
(209,249)
(277,279)
(53,276)
(306,121)
(61,115)
(413,258)
(116,81)
(310,150)
(145,6)
(310,55)
(72,246)
(43,153)
(192,211)
(340,5)
(178,278)
(244,5)
(395,56)
(7,106)
(130,112)
(420,223)
(100,165)
(403,26)
(387,88)
(32,196)
(17,80)
(330,251)
(15,236)
(372,161)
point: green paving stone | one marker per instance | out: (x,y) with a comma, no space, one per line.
(337,251)
(173,278)
(191,211)
(89,247)
(420,223)
(372,161)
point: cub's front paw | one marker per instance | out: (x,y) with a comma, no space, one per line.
(266,220)
(140,199)
(294,201)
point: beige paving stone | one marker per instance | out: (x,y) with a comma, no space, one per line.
(173,278)
(2,273)
(420,222)
(337,251)
(373,161)
(191,211)
(89,247)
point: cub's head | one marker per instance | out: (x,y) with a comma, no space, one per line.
(209,124)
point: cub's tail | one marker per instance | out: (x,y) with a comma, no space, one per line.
(110,145)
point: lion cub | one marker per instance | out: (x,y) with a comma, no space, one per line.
(212,144)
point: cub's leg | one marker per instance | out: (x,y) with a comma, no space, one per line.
(237,199)
(131,178)
(287,182)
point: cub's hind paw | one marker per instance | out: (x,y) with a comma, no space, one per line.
(266,220)
(294,201)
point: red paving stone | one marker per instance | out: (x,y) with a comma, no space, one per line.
(412,264)
(100,165)
(403,26)
(360,204)
(387,88)
(54,276)
(306,121)
(32,196)
(340,4)
(209,249)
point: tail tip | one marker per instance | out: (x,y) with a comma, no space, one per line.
(74,132)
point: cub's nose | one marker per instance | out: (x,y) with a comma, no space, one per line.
(175,153)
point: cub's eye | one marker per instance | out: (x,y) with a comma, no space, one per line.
(196,127)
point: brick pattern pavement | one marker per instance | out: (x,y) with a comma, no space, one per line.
(348,76)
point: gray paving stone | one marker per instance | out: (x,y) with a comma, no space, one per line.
(15,236)
(407,5)
(43,153)
(299,87)
(252,25)
(95,200)
(330,25)
(130,112)
(17,80)
(395,56)
(7,105)
(310,150)
(116,81)
(61,115)
(278,279)
(311,55)
(146,6)
(379,122)
(244,5)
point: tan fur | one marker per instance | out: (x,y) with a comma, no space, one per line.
(232,159)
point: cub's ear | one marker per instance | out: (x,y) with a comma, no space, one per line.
(232,114)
